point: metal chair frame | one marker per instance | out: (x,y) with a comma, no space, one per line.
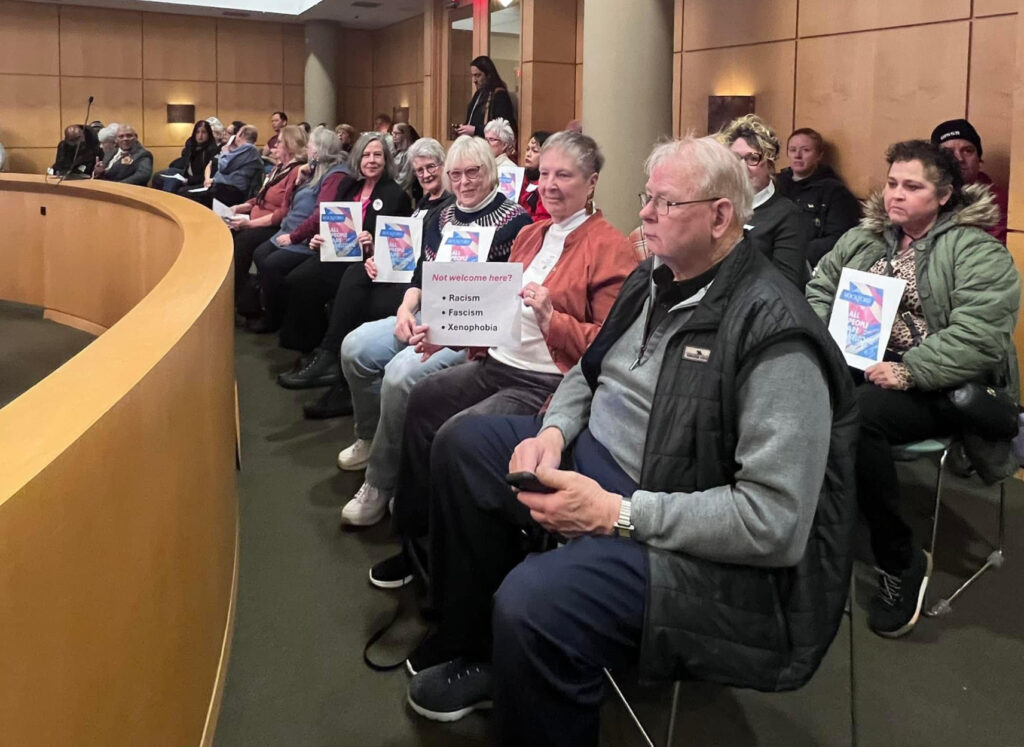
(670,732)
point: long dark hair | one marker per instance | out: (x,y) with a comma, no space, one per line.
(492,79)
(202,124)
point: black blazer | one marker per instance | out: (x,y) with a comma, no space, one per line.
(488,105)
(778,229)
(390,198)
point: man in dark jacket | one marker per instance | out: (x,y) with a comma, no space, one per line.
(829,208)
(77,152)
(705,498)
(130,164)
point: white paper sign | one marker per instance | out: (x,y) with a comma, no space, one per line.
(222,210)
(396,248)
(510,181)
(465,243)
(472,304)
(862,315)
(340,225)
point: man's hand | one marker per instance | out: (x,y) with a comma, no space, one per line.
(405,324)
(421,345)
(98,168)
(579,506)
(545,449)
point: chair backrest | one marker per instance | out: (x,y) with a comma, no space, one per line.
(639,244)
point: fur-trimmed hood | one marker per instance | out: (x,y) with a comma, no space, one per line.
(978,208)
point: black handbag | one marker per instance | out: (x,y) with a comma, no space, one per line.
(987,411)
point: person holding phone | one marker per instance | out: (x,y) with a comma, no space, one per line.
(490,99)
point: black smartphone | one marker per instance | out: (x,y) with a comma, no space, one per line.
(528,482)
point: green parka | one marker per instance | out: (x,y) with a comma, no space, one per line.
(970,295)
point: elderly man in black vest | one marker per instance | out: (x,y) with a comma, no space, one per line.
(700,458)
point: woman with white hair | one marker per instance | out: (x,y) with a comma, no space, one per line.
(502,140)
(107,137)
(379,366)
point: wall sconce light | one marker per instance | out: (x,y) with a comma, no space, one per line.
(724,109)
(181,113)
(400,114)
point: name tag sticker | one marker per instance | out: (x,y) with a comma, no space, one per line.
(700,355)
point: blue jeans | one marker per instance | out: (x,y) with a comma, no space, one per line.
(381,370)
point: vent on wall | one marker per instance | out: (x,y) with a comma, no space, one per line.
(365,4)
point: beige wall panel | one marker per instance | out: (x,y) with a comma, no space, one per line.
(100,42)
(355,58)
(252,103)
(677,75)
(762,70)
(398,53)
(900,90)
(995,7)
(385,98)
(30,161)
(293,47)
(157,94)
(991,92)
(249,52)
(718,23)
(164,154)
(176,47)
(356,107)
(30,111)
(579,93)
(838,16)
(1017,165)
(527,9)
(554,96)
(29,41)
(553,33)
(677,25)
(579,30)
(117,100)
(295,104)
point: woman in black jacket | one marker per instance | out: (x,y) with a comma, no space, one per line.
(312,284)
(189,171)
(490,101)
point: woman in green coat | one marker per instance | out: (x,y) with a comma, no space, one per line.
(955,324)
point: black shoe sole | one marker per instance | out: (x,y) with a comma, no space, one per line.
(290,382)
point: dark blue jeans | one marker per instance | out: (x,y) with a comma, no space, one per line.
(559,616)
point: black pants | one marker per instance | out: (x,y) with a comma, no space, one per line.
(272,267)
(246,242)
(559,616)
(889,417)
(358,300)
(483,387)
(307,289)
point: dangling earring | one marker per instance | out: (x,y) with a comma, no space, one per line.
(590,203)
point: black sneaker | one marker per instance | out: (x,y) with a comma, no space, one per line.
(392,573)
(336,402)
(896,608)
(429,653)
(322,369)
(449,691)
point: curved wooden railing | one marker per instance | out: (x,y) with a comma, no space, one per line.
(118,512)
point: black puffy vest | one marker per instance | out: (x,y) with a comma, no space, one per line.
(744,626)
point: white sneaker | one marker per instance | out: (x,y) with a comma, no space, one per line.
(355,457)
(366,508)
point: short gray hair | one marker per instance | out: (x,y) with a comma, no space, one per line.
(426,147)
(581,148)
(716,171)
(355,158)
(108,133)
(472,150)
(501,129)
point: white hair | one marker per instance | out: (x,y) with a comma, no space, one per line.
(501,129)
(108,133)
(475,152)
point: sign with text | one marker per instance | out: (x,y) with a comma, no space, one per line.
(863,314)
(472,304)
(465,243)
(510,181)
(340,225)
(396,248)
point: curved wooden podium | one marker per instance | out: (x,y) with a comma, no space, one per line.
(118,512)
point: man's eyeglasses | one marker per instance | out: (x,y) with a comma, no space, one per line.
(424,170)
(751,159)
(471,174)
(661,205)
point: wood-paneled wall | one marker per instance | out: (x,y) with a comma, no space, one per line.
(53,57)
(865,74)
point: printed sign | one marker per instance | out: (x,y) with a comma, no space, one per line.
(510,181)
(340,225)
(472,305)
(465,244)
(863,314)
(396,248)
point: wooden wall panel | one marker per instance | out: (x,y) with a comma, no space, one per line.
(30,161)
(553,97)
(355,107)
(761,70)
(249,52)
(157,94)
(30,111)
(1016,222)
(386,98)
(295,104)
(553,37)
(398,53)
(252,103)
(164,154)
(117,100)
(176,47)
(355,58)
(100,42)
(995,7)
(900,90)
(293,48)
(839,16)
(719,23)
(29,40)
(993,45)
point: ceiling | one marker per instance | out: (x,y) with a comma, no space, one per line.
(351,13)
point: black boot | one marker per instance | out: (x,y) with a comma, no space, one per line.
(336,402)
(323,369)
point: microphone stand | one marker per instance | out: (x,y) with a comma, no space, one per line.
(78,145)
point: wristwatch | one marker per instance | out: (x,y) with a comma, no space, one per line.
(624,527)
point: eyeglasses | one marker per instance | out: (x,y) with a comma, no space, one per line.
(424,170)
(471,174)
(661,205)
(751,159)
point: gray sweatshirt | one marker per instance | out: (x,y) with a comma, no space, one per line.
(764,518)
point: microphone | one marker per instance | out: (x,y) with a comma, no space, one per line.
(74,157)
